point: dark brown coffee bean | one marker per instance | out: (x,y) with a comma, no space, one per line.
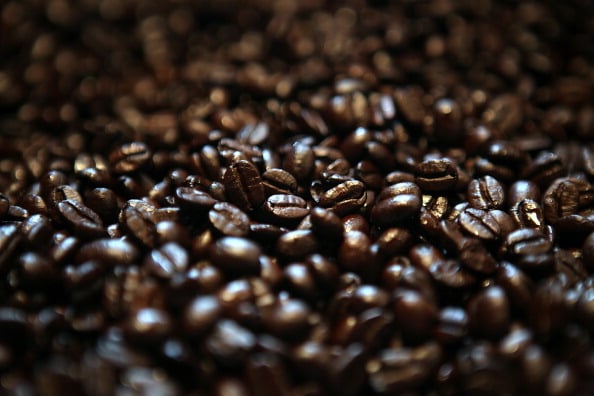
(139,223)
(201,314)
(404,370)
(108,251)
(229,344)
(229,219)
(354,254)
(415,316)
(394,241)
(129,157)
(397,275)
(278,181)
(436,175)
(165,261)
(480,223)
(396,203)
(548,314)
(148,325)
(527,241)
(32,203)
(297,244)
(299,162)
(191,200)
(236,256)
(300,280)
(36,231)
(528,214)
(266,233)
(288,319)
(488,313)
(485,193)
(517,285)
(37,271)
(452,326)
(104,202)
(522,189)
(81,219)
(285,209)
(447,121)
(565,197)
(475,257)
(545,168)
(326,224)
(347,197)
(243,185)
(451,274)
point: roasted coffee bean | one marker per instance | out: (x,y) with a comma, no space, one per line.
(229,343)
(547,312)
(404,370)
(32,203)
(517,285)
(201,314)
(297,244)
(394,241)
(488,313)
(451,274)
(285,209)
(452,325)
(447,121)
(346,197)
(326,224)
(424,255)
(104,202)
(397,275)
(243,185)
(108,251)
(37,271)
(299,162)
(528,214)
(138,222)
(129,157)
(527,241)
(192,200)
(565,197)
(415,316)
(354,254)
(288,319)
(235,255)
(522,189)
(266,233)
(396,203)
(436,175)
(228,219)
(148,325)
(81,219)
(480,223)
(485,193)
(545,168)
(36,230)
(165,261)
(278,181)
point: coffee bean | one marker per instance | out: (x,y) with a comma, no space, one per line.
(565,197)
(452,325)
(354,253)
(194,201)
(81,219)
(480,223)
(415,316)
(165,261)
(278,181)
(299,162)
(527,241)
(229,343)
(485,193)
(36,230)
(108,251)
(517,285)
(451,274)
(139,223)
(545,168)
(243,185)
(326,224)
(404,370)
(436,175)
(296,244)
(287,319)
(396,203)
(235,255)
(344,198)
(528,214)
(523,189)
(201,314)
(229,219)
(285,209)
(488,313)
(129,157)
(394,241)
(148,325)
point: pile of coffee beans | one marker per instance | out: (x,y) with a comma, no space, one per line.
(296,197)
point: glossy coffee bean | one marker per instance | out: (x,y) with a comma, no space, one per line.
(236,255)
(485,193)
(229,220)
(436,175)
(129,157)
(243,185)
(489,313)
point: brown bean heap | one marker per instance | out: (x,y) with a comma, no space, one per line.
(296,197)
